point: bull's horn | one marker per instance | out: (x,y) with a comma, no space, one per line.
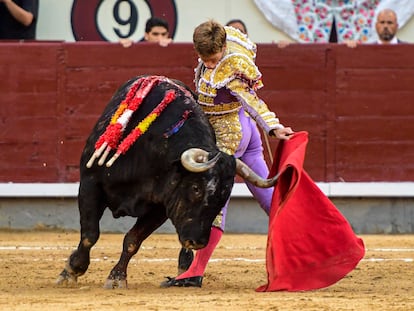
(247,174)
(196,160)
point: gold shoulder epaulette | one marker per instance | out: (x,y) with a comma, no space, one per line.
(232,66)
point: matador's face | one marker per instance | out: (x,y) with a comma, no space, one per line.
(212,60)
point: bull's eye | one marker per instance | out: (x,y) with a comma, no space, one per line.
(196,189)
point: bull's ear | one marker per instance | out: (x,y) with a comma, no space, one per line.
(173,159)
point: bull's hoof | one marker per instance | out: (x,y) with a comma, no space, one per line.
(195,281)
(66,278)
(115,283)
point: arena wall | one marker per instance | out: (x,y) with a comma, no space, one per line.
(356,105)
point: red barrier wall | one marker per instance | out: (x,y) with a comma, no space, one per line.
(357,104)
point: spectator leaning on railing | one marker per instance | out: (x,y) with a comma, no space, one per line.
(386,27)
(156,30)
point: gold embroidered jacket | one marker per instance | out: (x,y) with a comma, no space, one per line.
(232,86)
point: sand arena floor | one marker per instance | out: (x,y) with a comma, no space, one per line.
(31,261)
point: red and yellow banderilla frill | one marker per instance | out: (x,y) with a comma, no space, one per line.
(109,140)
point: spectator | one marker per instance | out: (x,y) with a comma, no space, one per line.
(227,79)
(18,19)
(238,24)
(386,26)
(156,30)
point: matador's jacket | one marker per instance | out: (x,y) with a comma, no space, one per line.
(228,96)
(232,86)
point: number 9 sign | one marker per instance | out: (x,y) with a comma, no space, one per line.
(110,20)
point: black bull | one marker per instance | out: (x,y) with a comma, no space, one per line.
(172,169)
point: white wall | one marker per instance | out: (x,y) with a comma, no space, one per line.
(192,13)
(406,33)
(54,19)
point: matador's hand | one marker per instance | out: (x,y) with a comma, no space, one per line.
(283,133)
